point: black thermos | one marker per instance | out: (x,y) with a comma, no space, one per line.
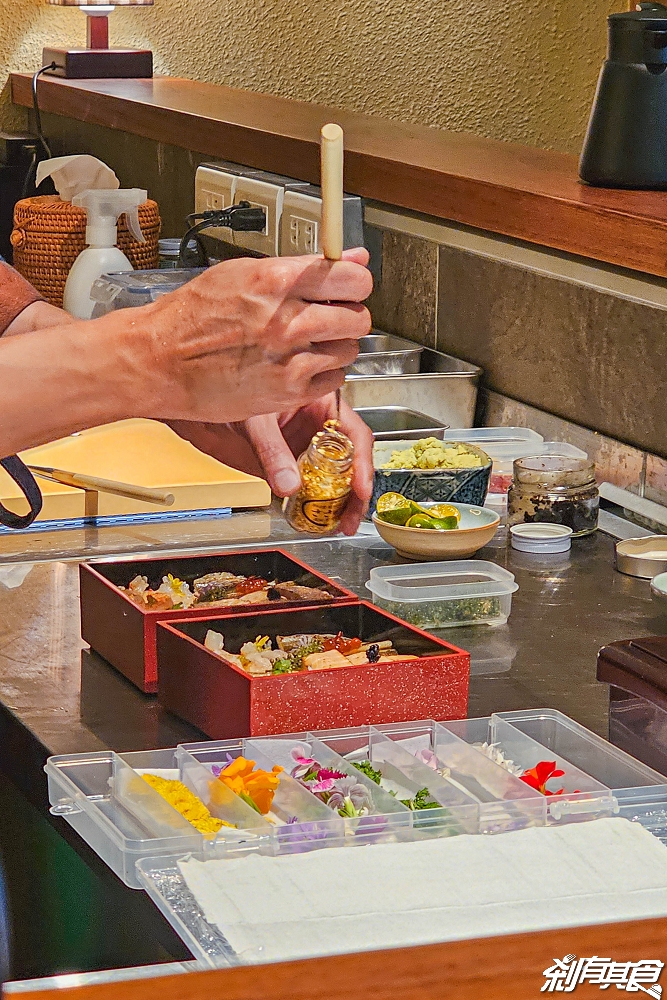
(626,141)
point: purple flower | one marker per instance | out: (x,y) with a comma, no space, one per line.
(217,771)
(350,798)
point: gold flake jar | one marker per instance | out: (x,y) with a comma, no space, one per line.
(326,482)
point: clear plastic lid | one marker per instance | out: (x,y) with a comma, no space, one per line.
(498,442)
(444,581)
(135,288)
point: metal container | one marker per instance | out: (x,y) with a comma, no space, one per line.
(383,354)
(444,387)
(643,557)
(389,422)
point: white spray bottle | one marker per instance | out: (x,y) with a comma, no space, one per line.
(101,255)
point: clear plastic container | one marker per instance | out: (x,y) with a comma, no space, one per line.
(403,775)
(137,288)
(298,821)
(503,802)
(445,594)
(388,819)
(499,443)
(105,799)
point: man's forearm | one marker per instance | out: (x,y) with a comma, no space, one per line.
(64,379)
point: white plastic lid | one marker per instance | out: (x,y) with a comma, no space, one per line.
(440,581)
(541,537)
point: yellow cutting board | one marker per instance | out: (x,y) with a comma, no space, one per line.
(143,452)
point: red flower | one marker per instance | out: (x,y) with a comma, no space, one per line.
(538,776)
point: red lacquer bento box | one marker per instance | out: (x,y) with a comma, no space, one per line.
(124,633)
(224,701)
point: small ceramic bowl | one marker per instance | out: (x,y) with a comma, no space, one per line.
(476,528)
(466,486)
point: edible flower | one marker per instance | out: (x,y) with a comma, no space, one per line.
(341,792)
(256,787)
(186,803)
(537,777)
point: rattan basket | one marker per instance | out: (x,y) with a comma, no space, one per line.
(49,234)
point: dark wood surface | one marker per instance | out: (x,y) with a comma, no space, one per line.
(502,968)
(530,194)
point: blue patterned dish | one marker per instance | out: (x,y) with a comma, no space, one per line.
(437,485)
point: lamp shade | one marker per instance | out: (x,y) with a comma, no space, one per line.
(102,3)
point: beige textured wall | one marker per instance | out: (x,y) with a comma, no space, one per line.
(520,70)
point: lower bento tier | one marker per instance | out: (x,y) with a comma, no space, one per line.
(421,677)
(119,621)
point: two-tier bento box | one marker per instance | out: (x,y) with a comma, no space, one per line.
(363,665)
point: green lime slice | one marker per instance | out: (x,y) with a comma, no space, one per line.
(445,523)
(420,521)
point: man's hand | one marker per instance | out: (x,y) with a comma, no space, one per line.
(268,445)
(252,336)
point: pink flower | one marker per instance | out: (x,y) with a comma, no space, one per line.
(303,763)
(321,786)
(429,758)
(325,772)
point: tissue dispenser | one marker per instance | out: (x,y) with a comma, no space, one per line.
(626,141)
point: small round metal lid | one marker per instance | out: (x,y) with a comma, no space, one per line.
(541,537)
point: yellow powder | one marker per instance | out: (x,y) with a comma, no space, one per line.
(186,803)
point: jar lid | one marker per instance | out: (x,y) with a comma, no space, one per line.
(541,537)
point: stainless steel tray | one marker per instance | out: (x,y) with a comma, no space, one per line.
(388,422)
(383,354)
(444,388)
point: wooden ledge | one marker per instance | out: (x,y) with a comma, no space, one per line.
(500,968)
(516,191)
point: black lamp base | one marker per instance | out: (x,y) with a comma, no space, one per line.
(90,64)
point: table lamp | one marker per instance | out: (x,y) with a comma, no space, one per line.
(98,60)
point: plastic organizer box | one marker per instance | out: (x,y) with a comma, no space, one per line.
(138,834)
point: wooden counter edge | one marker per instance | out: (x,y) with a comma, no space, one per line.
(501,968)
(527,194)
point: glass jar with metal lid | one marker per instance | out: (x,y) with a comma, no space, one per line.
(557,490)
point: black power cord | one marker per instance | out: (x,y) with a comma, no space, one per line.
(35,107)
(240,218)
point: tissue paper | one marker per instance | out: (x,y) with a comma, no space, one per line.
(74,174)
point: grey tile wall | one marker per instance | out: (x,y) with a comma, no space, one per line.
(587,356)
(404,299)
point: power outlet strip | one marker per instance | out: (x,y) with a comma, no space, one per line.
(293,209)
(301,222)
(215,190)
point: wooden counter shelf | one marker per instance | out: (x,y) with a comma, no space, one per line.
(521,192)
(502,968)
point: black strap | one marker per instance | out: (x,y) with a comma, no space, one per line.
(24,479)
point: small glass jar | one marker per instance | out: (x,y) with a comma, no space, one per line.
(557,490)
(326,482)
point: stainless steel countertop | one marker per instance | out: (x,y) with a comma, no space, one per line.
(567,606)
(58,697)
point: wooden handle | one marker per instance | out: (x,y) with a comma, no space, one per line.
(83,482)
(331,174)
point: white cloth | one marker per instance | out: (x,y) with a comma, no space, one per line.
(395,895)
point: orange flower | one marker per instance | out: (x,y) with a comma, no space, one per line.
(256,787)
